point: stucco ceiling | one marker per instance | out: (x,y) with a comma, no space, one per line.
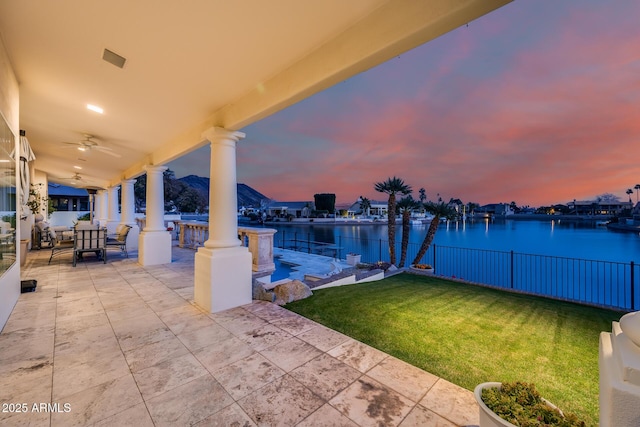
(190,66)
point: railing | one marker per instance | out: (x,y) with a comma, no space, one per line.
(602,283)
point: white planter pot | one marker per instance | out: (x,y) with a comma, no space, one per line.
(424,272)
(353,259)
(487,417)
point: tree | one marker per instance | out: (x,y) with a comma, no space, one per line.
(471,207)
(325,202)
(629,192)
(423,195)
(439,210)
(607,198)
(392,186)
(365,205)
(405,206)
(637,187)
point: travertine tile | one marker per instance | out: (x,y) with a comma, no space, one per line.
(358,355)
(291,353)
(326,376)
(404,378)
(369,403)
(87,371)
(155,352)
(246,375)
(223,353)
(166,375)
(29,378)
(99,402)
(232,415)
(185,319)
(137,416)
(264,337)
(284,402)
(203,337)
(189,403)
(323,338)
(327,416)
(422,417)
(140,330)
(452,402)
(295,325)
(238,320)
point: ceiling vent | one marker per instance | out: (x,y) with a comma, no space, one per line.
(113,58)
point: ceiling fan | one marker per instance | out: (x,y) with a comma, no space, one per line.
(88,144)
(76,180)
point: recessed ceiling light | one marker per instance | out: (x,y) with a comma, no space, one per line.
(95,108)
(4,161)
(77,167)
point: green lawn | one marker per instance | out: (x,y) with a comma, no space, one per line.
(468,334)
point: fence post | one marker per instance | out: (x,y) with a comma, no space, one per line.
(434,259)
(380,249)
(283,238)
(633,287)
(295,240)
(512,269)
(309,242)
(339,246)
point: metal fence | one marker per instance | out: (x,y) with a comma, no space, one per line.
(601,283)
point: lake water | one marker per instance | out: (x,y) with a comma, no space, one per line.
(556,238)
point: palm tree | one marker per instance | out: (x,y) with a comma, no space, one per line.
(439,210)
(637,187)
(423,195)
(365,205)
(406,205)
(629,192)
(392,186)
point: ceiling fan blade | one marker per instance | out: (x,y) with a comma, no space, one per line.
(107,150)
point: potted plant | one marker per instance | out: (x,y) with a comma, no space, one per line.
(521,403)
(425,269)
(353,259)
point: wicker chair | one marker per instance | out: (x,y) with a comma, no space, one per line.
(119,240)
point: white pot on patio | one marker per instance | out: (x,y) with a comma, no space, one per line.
(423,271)
(488,418)
(353,259)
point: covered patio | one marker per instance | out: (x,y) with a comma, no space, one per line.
(123,344)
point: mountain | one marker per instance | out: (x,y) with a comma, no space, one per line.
(247,196)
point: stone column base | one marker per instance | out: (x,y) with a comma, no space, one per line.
(154,247)
(222,278)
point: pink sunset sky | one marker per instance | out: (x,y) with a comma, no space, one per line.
(537,102)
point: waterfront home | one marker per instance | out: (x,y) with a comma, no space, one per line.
(378,209)
(296,209)
(594,207)
(493,210)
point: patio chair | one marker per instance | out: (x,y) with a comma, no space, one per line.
(119,240)
(90,239)
(58,244)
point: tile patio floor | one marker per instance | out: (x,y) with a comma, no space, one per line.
(120,344)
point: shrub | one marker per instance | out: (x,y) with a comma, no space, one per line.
(520,404)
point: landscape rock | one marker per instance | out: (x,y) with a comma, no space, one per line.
(291,291)
(260,293)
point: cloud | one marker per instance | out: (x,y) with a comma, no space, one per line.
(535,102)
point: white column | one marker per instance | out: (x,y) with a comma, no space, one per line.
(102,205)
(222,265)
(113,216)
(128,213)
(155,241)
